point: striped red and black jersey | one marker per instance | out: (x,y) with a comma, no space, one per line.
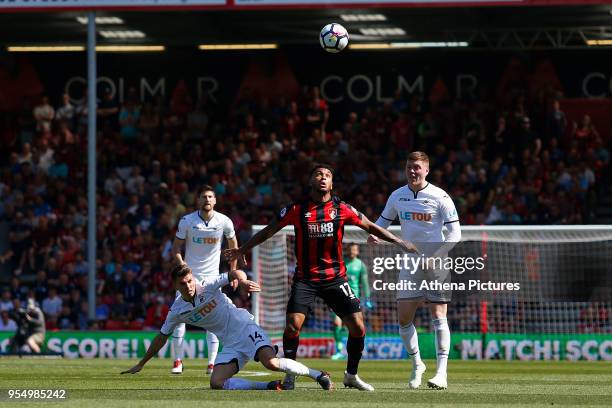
(319,228)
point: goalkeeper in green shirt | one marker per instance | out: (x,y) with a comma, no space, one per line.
(357,275)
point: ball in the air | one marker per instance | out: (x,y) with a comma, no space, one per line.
(333,37)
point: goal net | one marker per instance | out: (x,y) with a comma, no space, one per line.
(564,278)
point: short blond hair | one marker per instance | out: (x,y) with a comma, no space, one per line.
(422,156)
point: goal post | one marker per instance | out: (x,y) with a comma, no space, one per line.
(561,280)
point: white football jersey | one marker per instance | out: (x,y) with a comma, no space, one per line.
(211,310)
(203,241)
(422,214)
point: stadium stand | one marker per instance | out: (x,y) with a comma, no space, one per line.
(517,164)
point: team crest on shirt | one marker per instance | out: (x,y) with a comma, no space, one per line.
(332,213)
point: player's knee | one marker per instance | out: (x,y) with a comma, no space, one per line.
(355,325)
(438,313)
(358,332)
(437,316)
(405,317)
(216,383)
(404,321)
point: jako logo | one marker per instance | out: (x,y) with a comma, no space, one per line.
(413,216)
(203,240)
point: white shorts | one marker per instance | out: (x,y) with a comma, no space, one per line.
(430,293)
(244,346)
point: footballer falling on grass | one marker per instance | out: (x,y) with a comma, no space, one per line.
(333,38)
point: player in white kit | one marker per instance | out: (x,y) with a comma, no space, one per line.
(202,232)
(202,304)
(424,210)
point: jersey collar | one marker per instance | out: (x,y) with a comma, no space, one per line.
(202,218)
(190,302)
(417,192)
(320,202)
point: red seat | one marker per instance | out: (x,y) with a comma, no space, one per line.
(136,325)
(115,325)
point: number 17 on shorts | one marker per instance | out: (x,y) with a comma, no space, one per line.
(346,289)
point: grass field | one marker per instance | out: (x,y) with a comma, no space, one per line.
(486,383)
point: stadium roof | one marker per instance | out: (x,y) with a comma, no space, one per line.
(482,27)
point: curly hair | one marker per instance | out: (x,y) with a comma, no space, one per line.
(318,166)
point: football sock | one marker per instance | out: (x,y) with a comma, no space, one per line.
(295,368)
(177,341)
(410,338)
(442,333)
(212,343)
(242,384)
(290,346)
(338,338)
(354,349)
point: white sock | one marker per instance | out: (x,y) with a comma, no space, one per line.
(442,333)
(212,342)
(289,366)
(410,338)
(242,384)
(177,341)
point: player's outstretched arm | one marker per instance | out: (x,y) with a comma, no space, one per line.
(385,235)
(156,345)
(261,236)
(384,221)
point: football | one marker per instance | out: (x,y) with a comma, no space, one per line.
(333,38)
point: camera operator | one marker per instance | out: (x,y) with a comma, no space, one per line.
(30,328)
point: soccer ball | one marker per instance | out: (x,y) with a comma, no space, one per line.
(333,38)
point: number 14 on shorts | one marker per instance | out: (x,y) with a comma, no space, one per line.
(347,290)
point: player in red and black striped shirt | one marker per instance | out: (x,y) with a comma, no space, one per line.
(319,228)
(319,222)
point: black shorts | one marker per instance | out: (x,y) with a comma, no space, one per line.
(336,294)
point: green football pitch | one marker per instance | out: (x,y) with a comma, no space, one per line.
(486,383)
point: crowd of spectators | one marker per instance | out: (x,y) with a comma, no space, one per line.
(518,164)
